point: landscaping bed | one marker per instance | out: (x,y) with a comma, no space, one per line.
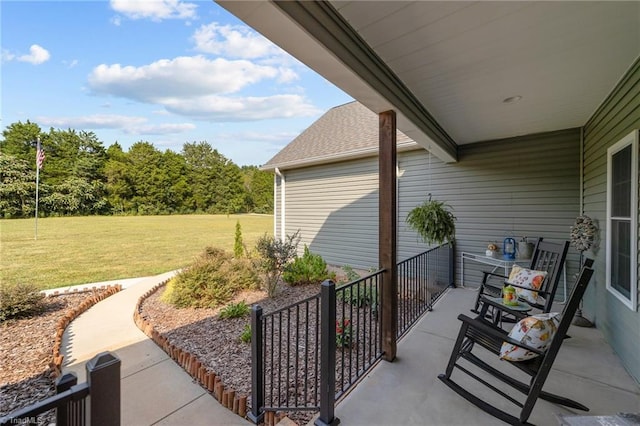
(27,347)
(216,345)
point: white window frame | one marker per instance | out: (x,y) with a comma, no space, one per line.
(630,140)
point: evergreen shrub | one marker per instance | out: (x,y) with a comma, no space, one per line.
(20,300)
(308,269)
(213,279)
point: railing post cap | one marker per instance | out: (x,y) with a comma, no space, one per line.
(103,359)
(328,283)
(69,377)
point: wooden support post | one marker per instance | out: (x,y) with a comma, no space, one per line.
(387,233)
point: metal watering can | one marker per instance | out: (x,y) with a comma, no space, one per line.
(509,248)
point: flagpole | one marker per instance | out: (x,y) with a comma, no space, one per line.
(37,182)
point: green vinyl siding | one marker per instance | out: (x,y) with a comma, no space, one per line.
(615,118)
(335,207)
(526,186)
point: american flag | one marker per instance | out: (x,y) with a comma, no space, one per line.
(39,156)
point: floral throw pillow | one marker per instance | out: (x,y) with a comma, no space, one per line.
(529,278)
(536,331)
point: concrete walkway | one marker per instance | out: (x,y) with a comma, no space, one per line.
(154,389)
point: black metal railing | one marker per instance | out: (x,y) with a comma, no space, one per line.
(307,355)
(358,334)
(103,387)
(421,279)
(286,358)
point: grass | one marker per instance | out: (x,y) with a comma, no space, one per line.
(79,250)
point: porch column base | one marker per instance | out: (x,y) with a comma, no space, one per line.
(334,422)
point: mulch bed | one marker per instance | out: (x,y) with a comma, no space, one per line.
(216,342)
(27,373)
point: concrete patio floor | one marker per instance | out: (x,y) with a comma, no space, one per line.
(408,392)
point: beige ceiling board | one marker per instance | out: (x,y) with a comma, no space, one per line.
(461,60)
(407,19)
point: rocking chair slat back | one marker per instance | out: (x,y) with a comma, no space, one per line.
(547,256)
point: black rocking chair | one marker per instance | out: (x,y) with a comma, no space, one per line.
(548,257)
(480,333)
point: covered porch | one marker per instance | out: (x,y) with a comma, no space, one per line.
(408,392)
(525,105)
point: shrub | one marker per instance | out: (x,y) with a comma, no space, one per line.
(238,246)
(344,333)
(213,279)
(19,300)
(365,295)
(234,310)
(310,268)
(275,254)
(245,337)
(351,275)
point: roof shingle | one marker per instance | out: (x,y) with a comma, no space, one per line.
(343,132)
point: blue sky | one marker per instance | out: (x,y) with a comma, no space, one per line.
(162,71)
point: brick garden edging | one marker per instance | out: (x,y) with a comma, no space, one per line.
(208,379)
(99,294)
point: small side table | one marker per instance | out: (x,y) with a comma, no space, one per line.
(496,262)
(499,306)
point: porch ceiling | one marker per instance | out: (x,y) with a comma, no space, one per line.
(447,67)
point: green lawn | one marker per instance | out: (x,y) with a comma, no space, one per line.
(78,250)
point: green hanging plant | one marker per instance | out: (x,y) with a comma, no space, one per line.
(433,221)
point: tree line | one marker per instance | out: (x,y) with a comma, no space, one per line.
(81,177)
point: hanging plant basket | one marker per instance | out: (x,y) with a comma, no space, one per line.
(433,221)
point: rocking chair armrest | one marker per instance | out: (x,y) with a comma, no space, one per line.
(488,302)
(494,332)
(506,283)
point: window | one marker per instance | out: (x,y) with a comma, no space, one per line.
(622,220)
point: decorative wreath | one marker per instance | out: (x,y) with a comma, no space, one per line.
(583,233)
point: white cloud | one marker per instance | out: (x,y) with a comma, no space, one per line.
(272,137)
(287,75)
(161,129)
(213,89)
(7,56)
(183,77)
(125,123)
(96,121)
(234,41)
(37,55)
(71,64)
(155,10)
(220,108)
